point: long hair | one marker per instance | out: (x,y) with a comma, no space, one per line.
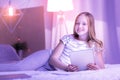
(91,28)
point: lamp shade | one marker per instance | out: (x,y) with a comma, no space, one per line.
(59,5)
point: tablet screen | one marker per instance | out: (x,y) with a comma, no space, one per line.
(82,58)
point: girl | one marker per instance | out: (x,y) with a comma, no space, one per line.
(83,37)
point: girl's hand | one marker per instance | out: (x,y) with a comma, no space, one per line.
(72,68)
(92,66)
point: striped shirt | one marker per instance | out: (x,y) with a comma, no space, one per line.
(71,44)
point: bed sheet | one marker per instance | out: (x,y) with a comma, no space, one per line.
(111,72)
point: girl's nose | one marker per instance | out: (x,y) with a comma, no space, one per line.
(80,26)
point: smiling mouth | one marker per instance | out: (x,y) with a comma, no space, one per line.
(79,30)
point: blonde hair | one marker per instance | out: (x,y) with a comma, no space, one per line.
(91,28)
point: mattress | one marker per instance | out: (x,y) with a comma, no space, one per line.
(111,72)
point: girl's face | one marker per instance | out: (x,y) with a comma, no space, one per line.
(81,25)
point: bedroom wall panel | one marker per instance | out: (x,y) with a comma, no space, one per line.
(30,30)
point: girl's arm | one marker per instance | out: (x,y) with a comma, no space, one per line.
(54,59)
(99,62)
(99,59)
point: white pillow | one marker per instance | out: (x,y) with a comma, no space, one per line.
(35,60)
(32,62)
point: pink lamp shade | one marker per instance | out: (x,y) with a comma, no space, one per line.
(59,5)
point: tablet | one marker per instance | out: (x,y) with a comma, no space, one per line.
(82,58)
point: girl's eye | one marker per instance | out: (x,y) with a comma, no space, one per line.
(84,24)
(77,23)
(80,23)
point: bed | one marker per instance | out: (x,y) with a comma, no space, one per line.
(112,72)
(29,69)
